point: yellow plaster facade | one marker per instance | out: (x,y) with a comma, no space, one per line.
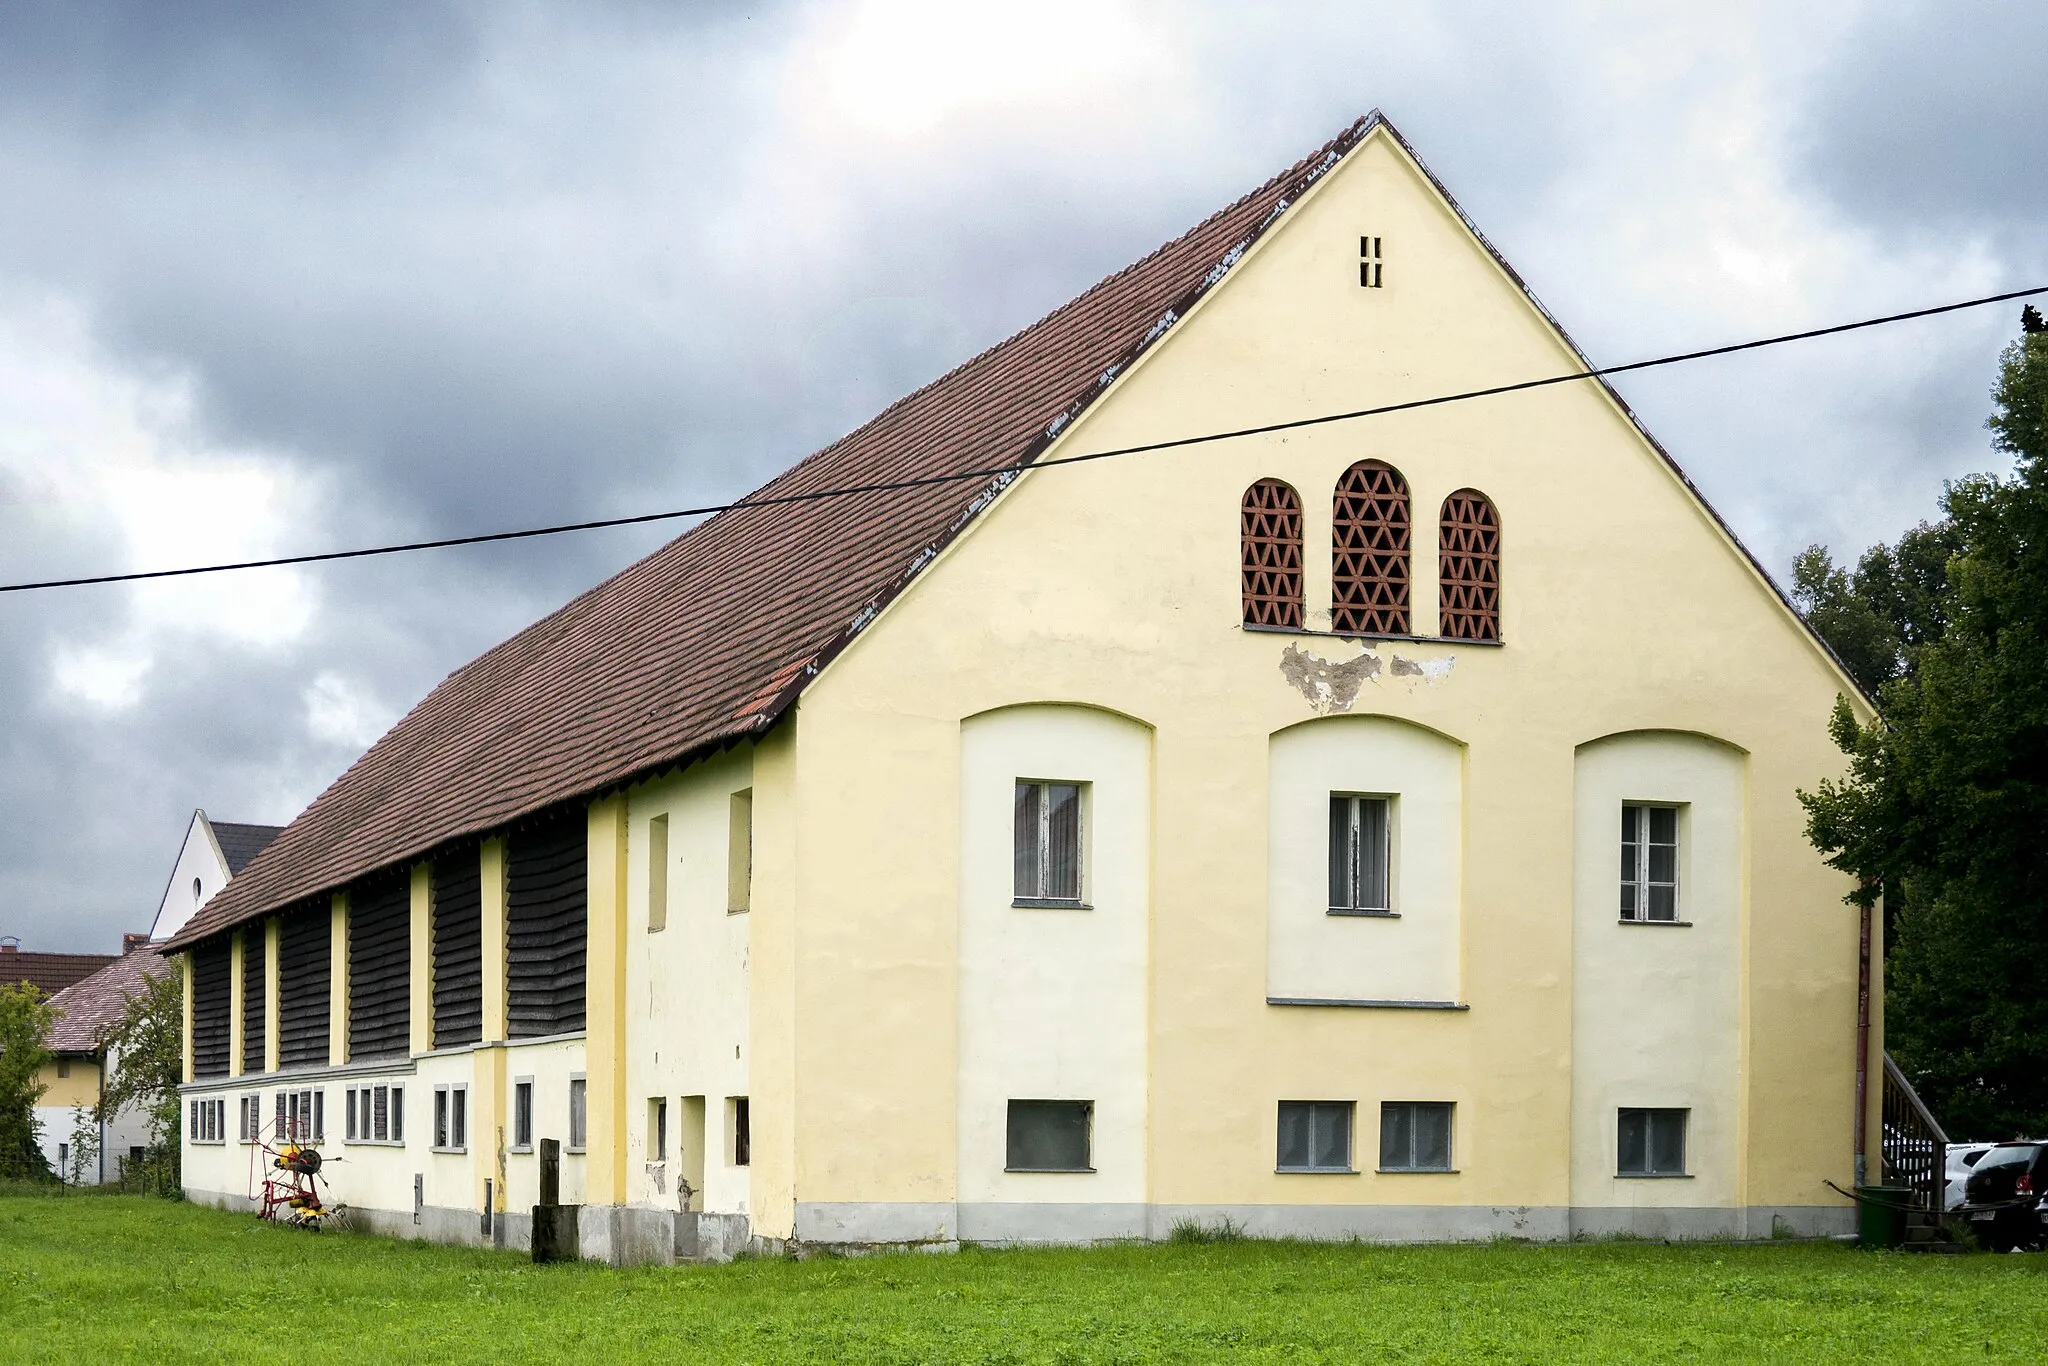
(817,1028)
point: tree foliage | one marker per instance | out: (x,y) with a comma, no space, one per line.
(25,1020)
(1946,801)
(146,1053)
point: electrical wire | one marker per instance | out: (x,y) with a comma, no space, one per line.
(962,476)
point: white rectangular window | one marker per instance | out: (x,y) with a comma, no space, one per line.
(1315,1136)
(351,1131)
(577,1114)
(380,1113)
(739,853)
(398,1114)
(1651,1142)
(449,1105)
(1649,862)
(522,1114)
(657,873)
(1046,858)
(742,1123)
(208,1120)
(657,1129)
(458,1124)
(1050,1136)
(1361,853)
(1415,1136)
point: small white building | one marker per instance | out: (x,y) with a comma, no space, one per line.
(74,1079)
(213,852)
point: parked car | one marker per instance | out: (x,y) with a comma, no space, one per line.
(2003,1196)
(1961,1158)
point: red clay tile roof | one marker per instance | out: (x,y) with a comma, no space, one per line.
(52,972)
(711,638)
(90,1006)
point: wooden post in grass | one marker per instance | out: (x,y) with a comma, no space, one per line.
(554,1223)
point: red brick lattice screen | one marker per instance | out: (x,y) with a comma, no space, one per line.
(1369,552)
(1272,555)
(1468,567)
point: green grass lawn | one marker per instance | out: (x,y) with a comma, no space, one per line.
(94,1278)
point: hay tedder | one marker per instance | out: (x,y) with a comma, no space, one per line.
(285,1180)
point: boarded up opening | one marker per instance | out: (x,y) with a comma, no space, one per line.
(545,928)
(255,997)
(380,968)
(458,949)
(212,983)
(305,955)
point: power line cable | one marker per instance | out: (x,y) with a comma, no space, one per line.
(961,476)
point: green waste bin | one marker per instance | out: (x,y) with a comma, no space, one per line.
(1881,1215)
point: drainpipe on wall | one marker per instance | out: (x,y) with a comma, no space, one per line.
(1862,1044)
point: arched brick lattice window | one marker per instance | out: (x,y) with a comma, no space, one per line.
(1272,555)
(1369,552)
(1468,575)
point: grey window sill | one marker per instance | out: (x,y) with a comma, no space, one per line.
(1667,924)
(1364,1005)
(1371,915)
(519,1148)
(572,1152)
(373,1142)
(738,910)
(452,1152)
(1366,635)
(1415,1171)
(1048,903)
(1653,1176)
(1316,1171)
(1052,1171)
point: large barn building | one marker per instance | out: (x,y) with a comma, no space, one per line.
(1384,827)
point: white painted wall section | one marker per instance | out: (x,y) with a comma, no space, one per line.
(1053,1003)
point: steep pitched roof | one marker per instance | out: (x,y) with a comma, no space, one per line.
(710,639)
(241,843)
(51,972)
(88,1007)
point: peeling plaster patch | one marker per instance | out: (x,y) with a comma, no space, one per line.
(1328,687)
(1430,671)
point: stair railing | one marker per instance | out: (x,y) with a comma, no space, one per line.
(1915,1147)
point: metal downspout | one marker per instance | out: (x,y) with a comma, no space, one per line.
(1862,1046)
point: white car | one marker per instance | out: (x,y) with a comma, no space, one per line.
(1961,1157)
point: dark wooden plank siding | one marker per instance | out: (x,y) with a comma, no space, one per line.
(254,988)
(546,919)
(304,954)
(380,968)
(458,949)
(212,996)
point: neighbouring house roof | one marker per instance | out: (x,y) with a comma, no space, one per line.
(52,972)
(88,1007)
(241,843)
(710,639)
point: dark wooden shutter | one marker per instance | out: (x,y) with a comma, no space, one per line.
(1468,567)
(212,995)
(380,968)
(458,950)
(545,927)
(1369,552)
(1270,541)
(304,954)
(254,1016)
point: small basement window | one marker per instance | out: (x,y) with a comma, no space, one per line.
(1360,854)
(1651,1142)
(1046,857)
(1050,1136)
(1415,1136)
(1315,1136)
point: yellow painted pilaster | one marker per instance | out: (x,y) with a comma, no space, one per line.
(772,959)
(487,1136)
(604,1004)
(337,980)
(185,971)
(236,951)
(271,1054)
(492,878)
(422,958)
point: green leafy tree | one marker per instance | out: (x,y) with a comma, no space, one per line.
(1946,801)
(147,1049)
(25,1019)
(83,1147)
(1897,600)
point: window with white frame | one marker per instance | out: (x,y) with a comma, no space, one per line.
(1649,862)
(1651,1142)
(1314,1136)
(451,1118)
(1047,849)
(522,1115)
(374,1114)
(1361,854)
(301,1116)
(1415,1136)
(741,1123)
(208,1120)
(578,1115)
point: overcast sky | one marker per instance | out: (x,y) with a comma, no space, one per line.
(293,277)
